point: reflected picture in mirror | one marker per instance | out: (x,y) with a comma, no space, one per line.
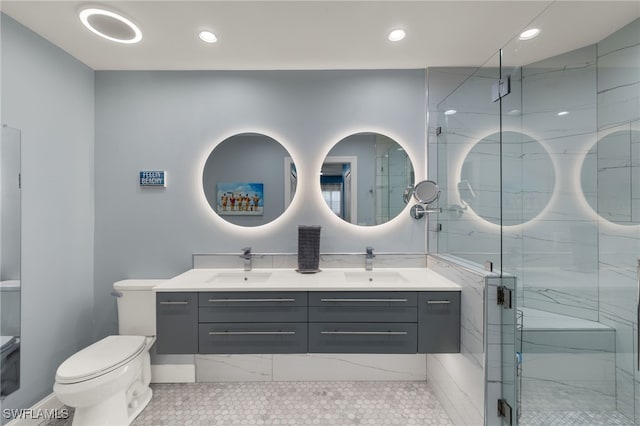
(243,179)
(610,176)
(10,262)
(528,178)
(364,179)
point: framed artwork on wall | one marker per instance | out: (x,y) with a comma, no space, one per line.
(240,199)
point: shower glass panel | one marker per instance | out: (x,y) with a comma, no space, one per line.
(571,228)
(468,148)
(470,163)
(545,184)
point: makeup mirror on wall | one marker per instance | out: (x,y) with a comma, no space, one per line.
(364,177)
(243,179)
(610,176)
(528,179)
(10,261)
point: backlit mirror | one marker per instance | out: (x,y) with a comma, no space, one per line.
(528,178)
(611,176)
(243,179)
(10,243)
(364,177)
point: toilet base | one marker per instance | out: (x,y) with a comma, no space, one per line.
(112,411)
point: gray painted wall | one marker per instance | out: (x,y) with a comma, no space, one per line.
(171,121)
(50,96)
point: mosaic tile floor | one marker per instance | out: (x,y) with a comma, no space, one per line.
(292,403)
(571,418)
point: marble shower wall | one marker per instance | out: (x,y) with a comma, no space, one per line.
(557,267)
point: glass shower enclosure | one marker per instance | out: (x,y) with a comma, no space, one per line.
(538,159)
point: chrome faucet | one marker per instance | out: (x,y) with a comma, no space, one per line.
(369,259)
(246,255)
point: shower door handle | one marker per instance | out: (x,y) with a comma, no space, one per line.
(638,315)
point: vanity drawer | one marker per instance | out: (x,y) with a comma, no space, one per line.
(252,338)
(253,307)
(363,298)
(177,323)
(253,298)
(439,322)
(363,314)
(382,338)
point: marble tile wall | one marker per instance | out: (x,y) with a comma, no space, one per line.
(459,379)
(327,260)
(310,367)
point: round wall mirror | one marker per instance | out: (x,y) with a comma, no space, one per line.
(528,178)
(243,179)
(364,177)
(610,177)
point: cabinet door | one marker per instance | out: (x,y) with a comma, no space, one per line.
(363,338)
(439,322)
(177,323)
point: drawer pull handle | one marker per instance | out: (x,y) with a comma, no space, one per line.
(438,302)
(175,303)
(250,333)
(249,300)
(364,300)
(390,333)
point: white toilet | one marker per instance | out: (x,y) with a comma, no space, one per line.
(108,382)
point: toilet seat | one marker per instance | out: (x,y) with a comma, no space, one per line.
(100,358)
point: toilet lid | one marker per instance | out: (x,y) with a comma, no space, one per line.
(100,358)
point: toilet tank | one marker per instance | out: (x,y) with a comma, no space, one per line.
(136,307)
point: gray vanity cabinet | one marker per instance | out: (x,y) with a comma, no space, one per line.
(271,322)
(252,322)
(177,323)
(439,322)
(363,322)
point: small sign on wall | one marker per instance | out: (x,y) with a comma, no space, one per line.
(153,178)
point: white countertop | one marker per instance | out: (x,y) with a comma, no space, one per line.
(333,279)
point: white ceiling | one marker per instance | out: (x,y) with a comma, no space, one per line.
(322,34)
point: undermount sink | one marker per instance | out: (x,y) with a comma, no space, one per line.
(240,277)
(374,276)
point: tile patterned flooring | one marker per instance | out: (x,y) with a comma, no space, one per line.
(292,403)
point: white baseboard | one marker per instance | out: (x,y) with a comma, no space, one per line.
(173,373)
(39,412)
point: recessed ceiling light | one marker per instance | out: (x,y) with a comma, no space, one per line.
(563,113)
(396,35)
(529,34)
(110,25)
(450,112)
(208,36)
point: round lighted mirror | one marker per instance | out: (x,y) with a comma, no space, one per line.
(243,179)
(611,177)
(426,192)
(364,177)
(528,178)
